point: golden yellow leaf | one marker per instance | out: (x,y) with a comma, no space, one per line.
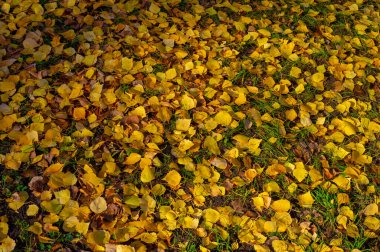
(295,72)
(212,145)
(154,8)
(98,205)
(342,182)
(291,114)
(170,74)
(89,60)
(352,230)
(62,196)
(371,209)
(99,237)
(189,222)
(187,102)
(183,124)
(57,167)
(279,246)
(133,158)
(318,77)
(147,237)
(127,63)
(281,205)
(17,200)
(300,172)
(32,210)
(36,228)
(173,178)
(133,201)
(211,215)
(306,200)
(223,118)
(270,226)
(185,144)
(6,86)
(147,174)
(372,223)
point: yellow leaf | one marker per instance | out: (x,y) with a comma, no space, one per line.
(98,205)
(36,228)
(282,205)
(147,174)
(241,99)
(223,118)
(17,200)
(133,159)
(133,201)
(183,124)
(127,63)
(6,86)
(213,65)
(306,200)
(170,74)
(189,65)
(295,72)
(185,144)
(98,237)
(212,145)
(189,222)
(300,173)
(7,244)
(270,226)
(287,48)
(53,168)
(371,209)
(89,60)
(372,223)
(211,215)
(139,111)
(272,186)
(275,169)
(173,178)
(187,102)
(62,196)
(6,7)
(7,121)
(181,54)
(318,77)
(352,230)
(32,210)
(219,162)
(342,182)
(349,74)
(279,246)
(253,146)
(147,237)
(258,202)
(69,225)
(154,8)
(291,114)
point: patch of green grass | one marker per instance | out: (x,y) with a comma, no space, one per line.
(243,194)
(321,54)
(325,203)
(151,92)
(125,87)
(230,132)
(356,243)
(45,64)
(241,76)
(222,244)
(24,236)
(158,68)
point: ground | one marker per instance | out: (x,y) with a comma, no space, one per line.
(189,125)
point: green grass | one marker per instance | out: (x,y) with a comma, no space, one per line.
(326,204)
